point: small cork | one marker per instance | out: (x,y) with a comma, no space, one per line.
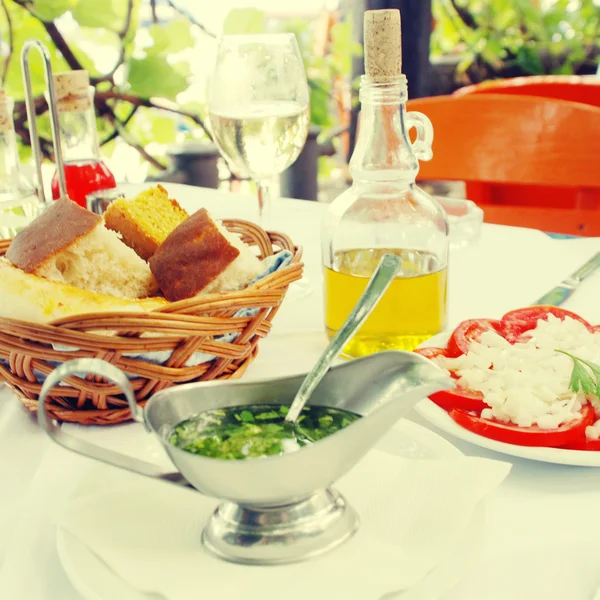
(382,42)
(6,121)
(72,90)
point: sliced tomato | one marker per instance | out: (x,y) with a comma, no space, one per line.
(584,444)
(461,398)
(526,436)
(516,322)
(470,331)
(431,352)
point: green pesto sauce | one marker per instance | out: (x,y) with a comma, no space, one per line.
(256,430)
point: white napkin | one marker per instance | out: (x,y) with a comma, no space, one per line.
(413,515)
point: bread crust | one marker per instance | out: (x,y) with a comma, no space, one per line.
(194,255)
(119,218)
(61,224)
(29,297)
(132,234)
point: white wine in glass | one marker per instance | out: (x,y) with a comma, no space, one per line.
(259,108)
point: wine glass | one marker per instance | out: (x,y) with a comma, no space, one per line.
(259,109)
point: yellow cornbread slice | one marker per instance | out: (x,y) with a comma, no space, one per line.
(146,221)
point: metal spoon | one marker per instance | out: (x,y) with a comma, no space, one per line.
(379,283)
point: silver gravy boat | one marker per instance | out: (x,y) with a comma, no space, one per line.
(277,509)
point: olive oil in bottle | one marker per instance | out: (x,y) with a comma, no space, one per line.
(384,211)
(412,310)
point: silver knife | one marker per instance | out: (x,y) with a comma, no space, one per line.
(557,295)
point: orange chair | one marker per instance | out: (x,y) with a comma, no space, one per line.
(518,155)
(575,88)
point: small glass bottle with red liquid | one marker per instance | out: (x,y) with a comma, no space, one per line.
(85,172)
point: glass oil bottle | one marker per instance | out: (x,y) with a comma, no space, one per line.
(384,211)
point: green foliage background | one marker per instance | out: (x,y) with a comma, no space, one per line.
(146,75)
(518,37)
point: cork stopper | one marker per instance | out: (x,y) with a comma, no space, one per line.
(72,90)
(6,121)
(382,42)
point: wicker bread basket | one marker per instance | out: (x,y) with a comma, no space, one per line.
(182,329)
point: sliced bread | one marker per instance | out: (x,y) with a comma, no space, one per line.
(32,298)
(70,244)
(201,256)
(145,221)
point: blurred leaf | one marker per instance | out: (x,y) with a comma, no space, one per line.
(494,53)
(25,154)
(108,149)
(320,113)
(141,126)
(528,59)
(341,48)
(164,130)
(555,30)
(110,15)
(244,20)
(174,36)
(356,49)
(27,26)
(326,165)
(154,76)
(183,68)
(465,63)
(194,107)
(49,10)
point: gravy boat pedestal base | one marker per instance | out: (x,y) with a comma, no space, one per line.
(276,509)
(280,534)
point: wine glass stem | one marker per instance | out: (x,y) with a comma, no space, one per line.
(265,195)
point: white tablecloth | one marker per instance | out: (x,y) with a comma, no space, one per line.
(542,527)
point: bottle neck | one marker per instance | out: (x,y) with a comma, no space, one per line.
(78,135)
(383,150)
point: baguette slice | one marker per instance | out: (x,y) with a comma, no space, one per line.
(201,256)
(145,222)
(70,244)
(28,297)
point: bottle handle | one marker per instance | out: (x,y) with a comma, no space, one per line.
(422,145)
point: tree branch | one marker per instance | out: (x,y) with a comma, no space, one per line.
(62,46)
(127,24)
(115,133)
(136,101)
(10,43)
(465,16)
(55,36)
(190,18)
(122,35)
(153,10)
(110,115)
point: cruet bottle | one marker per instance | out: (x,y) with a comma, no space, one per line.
(19,204)
(85,172)
(385,211)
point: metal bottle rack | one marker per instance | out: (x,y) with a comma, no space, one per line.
(31,117)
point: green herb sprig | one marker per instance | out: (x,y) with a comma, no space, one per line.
(581,379)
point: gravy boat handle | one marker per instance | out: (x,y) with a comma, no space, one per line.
(96,366)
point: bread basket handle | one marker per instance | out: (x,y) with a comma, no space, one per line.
(95,366)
